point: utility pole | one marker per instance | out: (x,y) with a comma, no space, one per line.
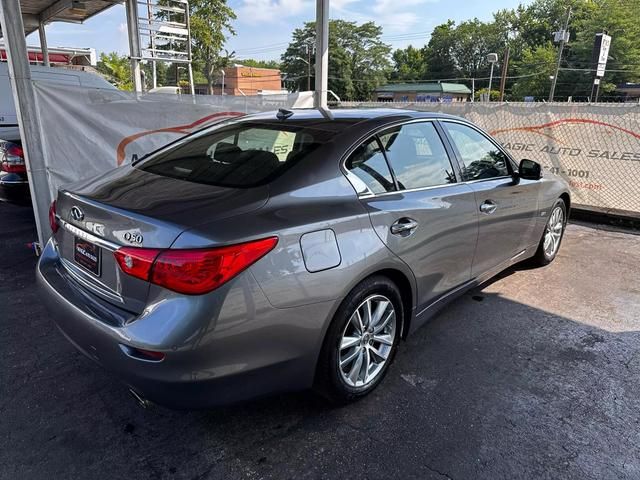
(473,89)
(564,37)
(503,77)
(308,68)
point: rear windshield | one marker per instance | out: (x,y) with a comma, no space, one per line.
(240,155)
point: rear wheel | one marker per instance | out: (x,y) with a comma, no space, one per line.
(552,236)
(361,341)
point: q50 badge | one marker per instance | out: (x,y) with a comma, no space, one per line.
(133,237)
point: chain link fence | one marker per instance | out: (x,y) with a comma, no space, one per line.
(595,147)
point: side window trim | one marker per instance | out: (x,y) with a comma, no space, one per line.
(459,157)
(451,152)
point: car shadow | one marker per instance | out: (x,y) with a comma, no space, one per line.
(517,378)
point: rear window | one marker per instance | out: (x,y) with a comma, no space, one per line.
(240,155)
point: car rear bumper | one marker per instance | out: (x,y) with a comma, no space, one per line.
(14,188)
(227,359)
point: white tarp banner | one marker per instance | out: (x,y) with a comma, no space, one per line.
(87,131)
(595,147)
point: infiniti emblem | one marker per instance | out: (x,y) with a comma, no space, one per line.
(77,214)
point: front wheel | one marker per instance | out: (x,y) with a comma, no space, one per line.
(552,236)
(361,341)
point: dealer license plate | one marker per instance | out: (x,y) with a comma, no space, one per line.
(87,255)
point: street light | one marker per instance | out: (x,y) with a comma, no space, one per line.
(492,58)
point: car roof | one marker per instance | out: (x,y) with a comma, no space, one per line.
(355,114)
(342,118)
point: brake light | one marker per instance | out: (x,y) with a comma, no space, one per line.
(135,261)
(53,221)
(13,161)
(15,151)
(192,272)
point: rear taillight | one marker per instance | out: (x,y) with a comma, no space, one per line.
(136,262)
(53,221)
(192,272)
(13,159)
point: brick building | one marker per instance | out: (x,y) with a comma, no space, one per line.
(241,80)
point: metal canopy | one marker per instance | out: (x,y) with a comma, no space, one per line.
(35,12)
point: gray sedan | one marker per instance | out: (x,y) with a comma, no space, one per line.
(288,250)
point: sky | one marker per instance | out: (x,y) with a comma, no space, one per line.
(263,27)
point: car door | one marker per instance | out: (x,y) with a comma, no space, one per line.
(507,206)
(417,206)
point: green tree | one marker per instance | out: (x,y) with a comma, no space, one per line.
(620,19)
(358,59)
(117,69)
(455,51)
(210,23)
(540,63)
(161,74)
(533,28)
(473,40)
(250,62)
(409,64)
(479,94)
(438,53)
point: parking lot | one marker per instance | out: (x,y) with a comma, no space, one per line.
(535,375)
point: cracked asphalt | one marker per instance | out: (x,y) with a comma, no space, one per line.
(534,375)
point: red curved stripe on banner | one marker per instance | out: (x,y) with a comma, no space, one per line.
(185,129)
(566,120)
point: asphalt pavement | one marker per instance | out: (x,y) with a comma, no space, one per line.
(534,375)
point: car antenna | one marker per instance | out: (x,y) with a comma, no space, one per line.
(283,113)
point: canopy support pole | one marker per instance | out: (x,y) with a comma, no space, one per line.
(134,43)
(28,118)
(43,44)
(322,54)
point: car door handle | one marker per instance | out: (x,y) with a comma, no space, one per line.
(404,227)
(488,207)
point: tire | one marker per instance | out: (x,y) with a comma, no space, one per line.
(338,376)
(554,230)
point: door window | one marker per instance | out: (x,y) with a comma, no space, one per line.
(369,164)
(417,156)
(481,159)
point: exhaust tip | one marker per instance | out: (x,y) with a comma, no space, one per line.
(143,402)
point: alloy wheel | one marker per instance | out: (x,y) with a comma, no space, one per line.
(553,232)
(367,341)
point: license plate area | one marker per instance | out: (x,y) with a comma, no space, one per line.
(88,255)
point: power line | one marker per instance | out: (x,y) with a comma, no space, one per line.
(429,80)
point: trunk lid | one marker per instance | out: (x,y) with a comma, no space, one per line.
(130,207)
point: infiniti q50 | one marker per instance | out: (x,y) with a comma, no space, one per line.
(288,250)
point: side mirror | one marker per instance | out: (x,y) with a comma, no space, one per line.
(529,170)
